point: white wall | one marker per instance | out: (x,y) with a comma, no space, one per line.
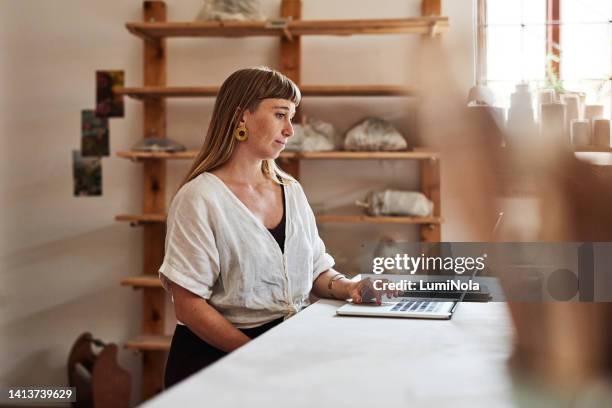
(62,257)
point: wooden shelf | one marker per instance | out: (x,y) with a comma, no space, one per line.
(142,281)
(593,149)
(419,154)
(350,218)
(416,25)
(150,343)
(137,155)
(599,156)
(349,155)
(141,218)
(147,92)
(137,219)
(357,90)
(167,91)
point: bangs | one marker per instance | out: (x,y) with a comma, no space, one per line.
(278,86)
(248,87)
(284,88)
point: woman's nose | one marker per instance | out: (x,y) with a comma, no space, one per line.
(288,131)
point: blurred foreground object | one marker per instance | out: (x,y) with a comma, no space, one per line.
(481,95)
(593,112)
(99,380)
(601,132)
(521,120)
(563,350)
(581,133)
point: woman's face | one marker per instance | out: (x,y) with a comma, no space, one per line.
(269,127)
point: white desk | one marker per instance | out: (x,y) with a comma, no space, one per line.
(318,359)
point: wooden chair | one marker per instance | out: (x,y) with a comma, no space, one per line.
(99,380)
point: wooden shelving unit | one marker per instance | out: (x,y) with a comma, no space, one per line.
(153,343)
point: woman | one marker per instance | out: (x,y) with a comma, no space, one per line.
(242,249)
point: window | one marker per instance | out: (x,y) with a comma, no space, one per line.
(565,44)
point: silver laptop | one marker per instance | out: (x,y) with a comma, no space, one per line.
(415,308)
(404,307)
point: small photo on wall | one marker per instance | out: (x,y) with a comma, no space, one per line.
(94,135)
(87,174)
(108,103)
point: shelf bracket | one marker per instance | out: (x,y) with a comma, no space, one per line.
(281,24)
(434,29)
(288,34)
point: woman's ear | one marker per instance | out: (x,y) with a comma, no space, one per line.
(246,114)
(241,115)
(238,115)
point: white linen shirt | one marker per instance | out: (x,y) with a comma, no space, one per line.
(217,249)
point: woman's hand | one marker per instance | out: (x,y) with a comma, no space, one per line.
(363,291)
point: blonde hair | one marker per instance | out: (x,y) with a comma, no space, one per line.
(242,90)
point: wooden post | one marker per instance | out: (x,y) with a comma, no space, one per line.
(291,166)
(290,65)
(431,8)
(154,201)
(291,49)
(481,41)
(553,39)
(430,169)
(430,186)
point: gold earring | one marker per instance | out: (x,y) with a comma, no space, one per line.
(241,133)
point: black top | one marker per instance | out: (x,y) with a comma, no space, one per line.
(278,232)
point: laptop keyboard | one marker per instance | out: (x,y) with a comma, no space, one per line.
(415,306)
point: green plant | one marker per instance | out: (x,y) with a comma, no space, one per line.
(552,77)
